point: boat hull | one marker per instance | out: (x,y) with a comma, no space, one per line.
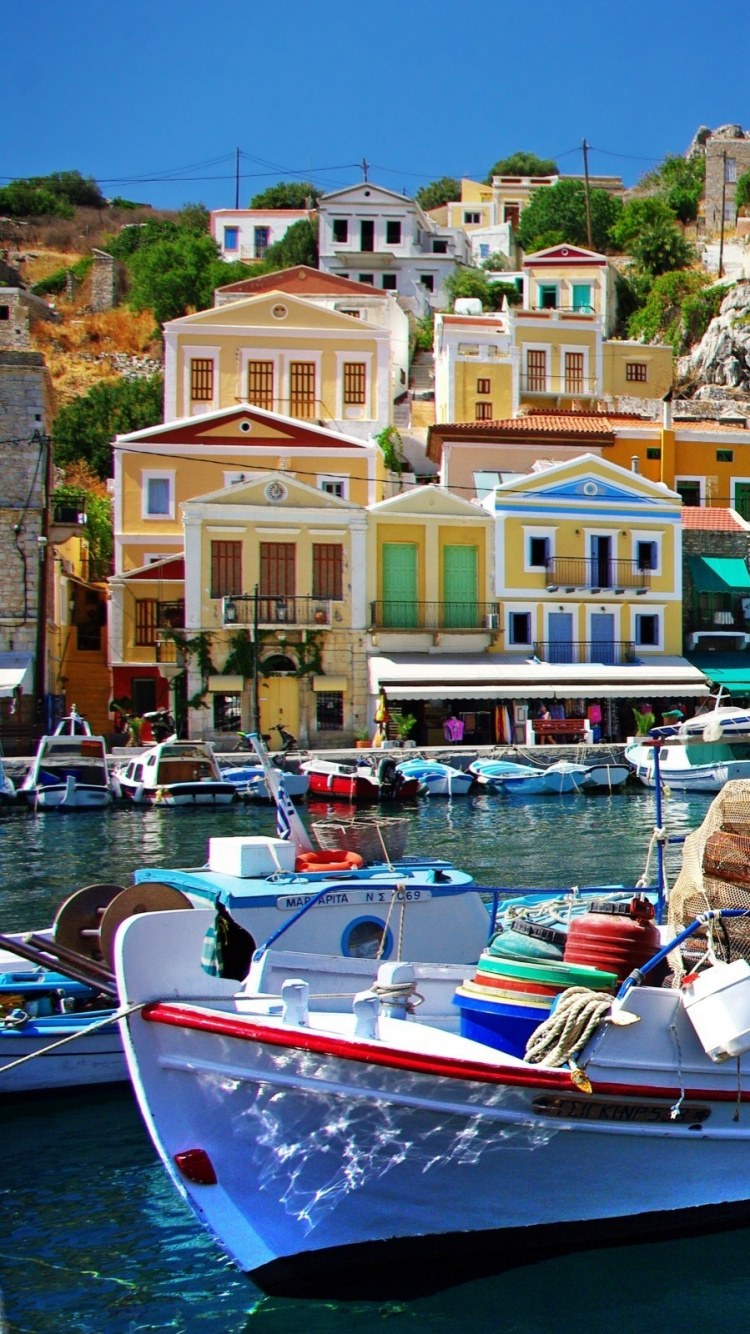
(330,1153)
(60,798)
(93,1058)
(181,794)
(358,787)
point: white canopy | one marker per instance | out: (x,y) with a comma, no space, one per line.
(16,669)
(494,676)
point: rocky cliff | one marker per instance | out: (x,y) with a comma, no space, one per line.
(722,358)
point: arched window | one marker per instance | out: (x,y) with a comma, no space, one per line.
(277,664)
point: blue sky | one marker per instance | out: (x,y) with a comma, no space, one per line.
(421,89)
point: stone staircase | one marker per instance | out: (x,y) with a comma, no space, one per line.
(422,376)
(86,683)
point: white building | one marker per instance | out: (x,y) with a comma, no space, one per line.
(246,233)
(498,239)
(378,237)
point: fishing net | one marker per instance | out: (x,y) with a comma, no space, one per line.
(715,874)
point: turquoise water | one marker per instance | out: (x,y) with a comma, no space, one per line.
(94,1239)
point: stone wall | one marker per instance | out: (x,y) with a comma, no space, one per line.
(104,281)
(735,143)
(702,542)
(26,409)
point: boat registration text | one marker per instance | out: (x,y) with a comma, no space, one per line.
(341,898)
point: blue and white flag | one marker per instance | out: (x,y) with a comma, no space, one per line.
(288,823)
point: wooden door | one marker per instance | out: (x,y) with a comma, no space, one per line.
(400,584)
(460,587)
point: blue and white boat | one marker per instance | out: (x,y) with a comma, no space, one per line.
(554,780)
(69,770)
(250,782)
(492,773)
(439,780)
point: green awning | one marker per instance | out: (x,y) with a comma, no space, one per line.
(719,574)
(730,670)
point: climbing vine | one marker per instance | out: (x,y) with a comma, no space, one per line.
(241,657)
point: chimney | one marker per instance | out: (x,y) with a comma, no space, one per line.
(634,464)
(667,411)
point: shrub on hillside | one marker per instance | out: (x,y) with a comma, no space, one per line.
(560,210)
(86,428)
(677,310)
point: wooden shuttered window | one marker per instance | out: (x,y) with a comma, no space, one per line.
(260,384)
(536,371)
(302,389)
(574,373)
(226,569)
(483,411)
(201,380)
(146,620)
(355,383)
(328,570)
(277,569)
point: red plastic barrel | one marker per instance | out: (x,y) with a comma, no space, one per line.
(614,937)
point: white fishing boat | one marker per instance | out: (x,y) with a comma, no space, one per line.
(175,773)
(700,755)
(69,770)
(357,1154)
(250,782)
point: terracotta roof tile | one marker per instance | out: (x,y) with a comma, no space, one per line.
(300,280)
(714,520)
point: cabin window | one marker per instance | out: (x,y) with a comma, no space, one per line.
(227,712)
(363,939)
(226,569)
(329,711)
(328,564)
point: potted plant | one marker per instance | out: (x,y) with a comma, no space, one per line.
(362,739)
(405,726)
(644,722)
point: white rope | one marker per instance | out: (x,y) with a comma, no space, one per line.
(659,835)
(81,1033)
(578,1013)
(398,993)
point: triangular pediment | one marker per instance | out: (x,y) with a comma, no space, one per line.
(564,254)
(276,491)
(428,500)
(587,479)
(367,193)
(243,424)
(277,310)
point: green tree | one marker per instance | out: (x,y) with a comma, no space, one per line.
(287,194)
(194,217)
(173,276)
(21,199)
(661,247)
(86,428)
(80,191)
(742,193)
(636,216)
(466,282)
(561,210)
(676,310)
(679,182)
(98,527)
(299,245)
(523,164)
(437,193)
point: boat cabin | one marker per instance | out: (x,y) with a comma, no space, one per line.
(63,757)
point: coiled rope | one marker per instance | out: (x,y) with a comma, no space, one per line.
(578,1013)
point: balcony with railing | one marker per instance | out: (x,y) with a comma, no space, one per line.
(573,572)
(299,612)
(615,653)
(393,615)
(572,385)
(67,517)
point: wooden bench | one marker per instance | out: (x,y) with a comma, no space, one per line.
(560,729)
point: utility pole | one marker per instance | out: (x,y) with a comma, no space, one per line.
(364,164)
(588,199)
(40,656)
(723,210)
(237,180)
(256,664)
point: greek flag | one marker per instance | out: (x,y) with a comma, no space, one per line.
(283,822)
(288,823)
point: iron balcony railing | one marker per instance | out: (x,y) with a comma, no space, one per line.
(69,509)
(539,382)
(571,572)
(567,310)
(293,610)
(393,615)
(613,654)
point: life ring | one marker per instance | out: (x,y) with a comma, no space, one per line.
(328,861)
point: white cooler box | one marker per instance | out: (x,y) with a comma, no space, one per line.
(249,857)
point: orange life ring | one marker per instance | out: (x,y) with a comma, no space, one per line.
(328,861)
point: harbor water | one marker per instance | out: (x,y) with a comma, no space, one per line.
(95,1240)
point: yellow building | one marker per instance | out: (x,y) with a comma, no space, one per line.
(285,354)
(553,351)
(159,470)
(588,598)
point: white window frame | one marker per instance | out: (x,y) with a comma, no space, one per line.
(324,477)
(693,477)
(157,475)
(647,610)
(536,347)
(190,353)
(520,609)
(528,533)
(638,535)
(364,359)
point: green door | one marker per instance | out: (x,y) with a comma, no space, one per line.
(460,587)
(742,499)
(582,298)
(399,585)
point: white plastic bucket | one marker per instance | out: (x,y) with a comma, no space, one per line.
(717,1002)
